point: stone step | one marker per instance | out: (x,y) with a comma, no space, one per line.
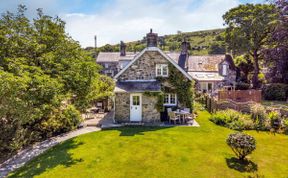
(134,124)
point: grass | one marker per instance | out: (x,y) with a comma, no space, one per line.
(160,152)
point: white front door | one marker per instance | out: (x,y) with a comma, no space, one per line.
(135,107)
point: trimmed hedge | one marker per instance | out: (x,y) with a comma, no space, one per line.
(275,91)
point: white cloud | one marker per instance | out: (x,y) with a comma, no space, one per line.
(130,20)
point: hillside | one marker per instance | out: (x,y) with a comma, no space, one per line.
(202,42)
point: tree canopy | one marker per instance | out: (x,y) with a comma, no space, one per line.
(249,27)
(276,56)
(46,79)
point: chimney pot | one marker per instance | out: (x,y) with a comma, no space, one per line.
(152,39)
(185,46)
(122,48)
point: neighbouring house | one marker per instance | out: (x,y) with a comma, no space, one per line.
(143,77)
(212,72)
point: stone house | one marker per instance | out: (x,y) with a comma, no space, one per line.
(148,71)
(212,72)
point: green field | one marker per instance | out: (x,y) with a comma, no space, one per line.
(199,41)
(160,152)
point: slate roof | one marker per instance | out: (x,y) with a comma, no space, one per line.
(137,86)
(201,63)
(204,63)
(115,56)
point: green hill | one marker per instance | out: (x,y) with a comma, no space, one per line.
(202,42)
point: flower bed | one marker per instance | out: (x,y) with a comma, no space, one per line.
(259,119)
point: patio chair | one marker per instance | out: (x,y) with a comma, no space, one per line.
(173,117)
(189,117)
(169,110)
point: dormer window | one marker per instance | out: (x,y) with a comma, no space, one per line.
(224,69)
(161,70)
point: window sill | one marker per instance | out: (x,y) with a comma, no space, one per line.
(166,104)
(162,76)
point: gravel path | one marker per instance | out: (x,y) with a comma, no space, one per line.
(29,153)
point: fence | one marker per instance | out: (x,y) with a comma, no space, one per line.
(240,100)
(240,95)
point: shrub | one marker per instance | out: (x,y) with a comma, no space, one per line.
(236,125)
(224,117)
(285,124)
(258,114)
(275,91)
(241,144)
(248,123)
(71,118)
(275,119)
(61,121)
(242,86)
(230,118)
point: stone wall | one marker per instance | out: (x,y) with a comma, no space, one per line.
(149,112)
(145,67)
(122,107)
(112,66)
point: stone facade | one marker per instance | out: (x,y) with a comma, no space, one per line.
(122,108)
(109,68)
(144,68)
(149,111)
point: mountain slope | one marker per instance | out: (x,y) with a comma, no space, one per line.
(201,42)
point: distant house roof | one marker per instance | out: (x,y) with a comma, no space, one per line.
(173,55)
(206,76)
(115,56)
(204,63)
(137,86)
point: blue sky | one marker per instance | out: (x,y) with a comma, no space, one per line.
(115,20)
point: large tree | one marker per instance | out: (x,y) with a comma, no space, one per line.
(46,78)
(248,29)
(276,56)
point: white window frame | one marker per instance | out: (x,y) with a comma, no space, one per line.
(169,99)
(106,65)
(204,86)
(224,69)
(161,66)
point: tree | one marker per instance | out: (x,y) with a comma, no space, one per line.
(276,57)
(241,144)
(217,48)
(46,79)
(245,65)
(248,29)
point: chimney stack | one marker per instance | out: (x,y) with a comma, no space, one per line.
(152,39)
(122,48)
(185,46)
(184,55)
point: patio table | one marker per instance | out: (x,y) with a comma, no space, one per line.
(182,114)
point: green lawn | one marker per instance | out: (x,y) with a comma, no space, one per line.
(160,152)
